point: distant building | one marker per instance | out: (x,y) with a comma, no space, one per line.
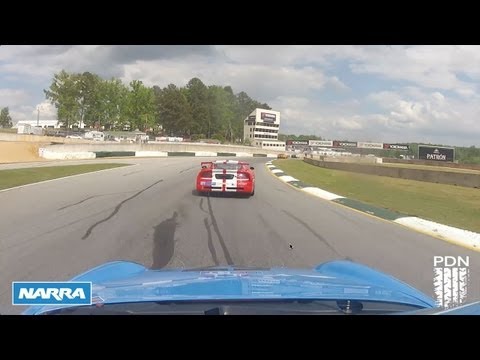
(45,124)
(261,129)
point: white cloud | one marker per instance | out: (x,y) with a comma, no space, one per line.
(21,113)
(409,114)
(13,97)
(19,108)
(47,110)
(337,83)
(298,115)
(275,55)
(262,82)
(385,99)
(426,92)
(427,66)
(352,123)
(438,97)
(428,116)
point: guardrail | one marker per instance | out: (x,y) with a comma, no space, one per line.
(432,163)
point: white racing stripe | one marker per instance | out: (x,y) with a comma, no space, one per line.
(225,183)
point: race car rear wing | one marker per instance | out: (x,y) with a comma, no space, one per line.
(211,164)
(206,164)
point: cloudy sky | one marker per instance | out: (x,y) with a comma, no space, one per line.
(426,94)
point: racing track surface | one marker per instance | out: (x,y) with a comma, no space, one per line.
(147,213)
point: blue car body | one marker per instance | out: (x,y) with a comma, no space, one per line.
(128,282)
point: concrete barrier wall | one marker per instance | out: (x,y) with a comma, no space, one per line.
(433,176)
(41,139)
(51,155)
(347,159)
(46,153)
(151,153)
(205,153)
(432,163)
(115,146)
(244,154)
(163,147)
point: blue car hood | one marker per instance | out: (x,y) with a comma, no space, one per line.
(123,281)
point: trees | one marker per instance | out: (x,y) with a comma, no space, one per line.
(222,113)
(87,86)
(140,106)
(64,94)
(193,109)
(112,104)
(197,96)
(5,118)
(174,112)
(214,110)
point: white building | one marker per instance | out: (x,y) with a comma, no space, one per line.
(95,135)
(261,128)
(45,124)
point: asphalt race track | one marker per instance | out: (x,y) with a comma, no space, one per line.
(148,213)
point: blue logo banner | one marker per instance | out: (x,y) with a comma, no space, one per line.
(51,293)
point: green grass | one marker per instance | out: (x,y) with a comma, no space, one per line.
(8,130)
(17,177)
(447,204)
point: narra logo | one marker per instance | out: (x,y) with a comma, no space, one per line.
(51,293)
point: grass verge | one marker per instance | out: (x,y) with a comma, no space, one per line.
(447,204)
(17,177)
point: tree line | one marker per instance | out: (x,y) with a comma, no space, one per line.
(196,110)
(5,118)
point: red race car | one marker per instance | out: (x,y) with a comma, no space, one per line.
(226,176)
